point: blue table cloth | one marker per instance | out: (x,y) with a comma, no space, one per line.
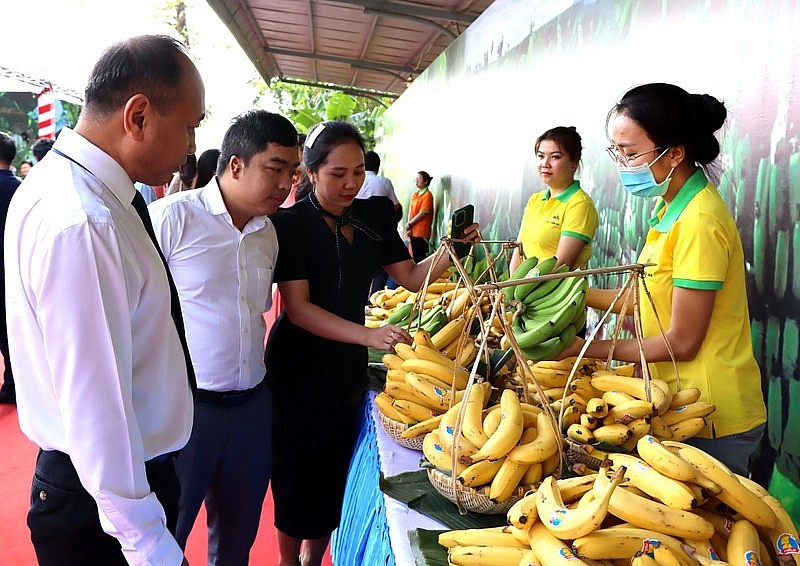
(374,528)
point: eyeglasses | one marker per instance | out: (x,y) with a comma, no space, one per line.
(620,158)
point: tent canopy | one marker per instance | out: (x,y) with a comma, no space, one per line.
(367,46)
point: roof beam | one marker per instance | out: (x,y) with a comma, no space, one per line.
(409,17)
(344,88)
(354,62)
(410,10)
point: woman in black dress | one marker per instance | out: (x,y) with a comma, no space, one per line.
(330,246)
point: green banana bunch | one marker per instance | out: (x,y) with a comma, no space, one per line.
(550,319)
(546,287)
(544,267)
(521,272)
(401,314)
(434,319)
(553,346)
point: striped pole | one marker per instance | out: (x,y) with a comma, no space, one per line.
(47,113)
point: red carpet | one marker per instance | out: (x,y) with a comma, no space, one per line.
(16,470)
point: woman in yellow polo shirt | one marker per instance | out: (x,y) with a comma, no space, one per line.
(662,137)
(560,220)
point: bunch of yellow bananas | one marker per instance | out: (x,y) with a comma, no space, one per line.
(422,382)
(642,514)
(611,406)
(499,447)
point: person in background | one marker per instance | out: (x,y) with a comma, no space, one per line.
(378,185)
(24,167)
(330,245)
(41,147)
(561,220)
(185,177)
(104,381)
(222,248)
(206,167)
(301,185)
(420,217)
(662,143)
(8,186)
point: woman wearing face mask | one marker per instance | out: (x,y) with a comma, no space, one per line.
(330,246)
(560,220)
(662,137)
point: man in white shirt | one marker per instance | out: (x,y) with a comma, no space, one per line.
(104,382)
(379,186)
(221,249)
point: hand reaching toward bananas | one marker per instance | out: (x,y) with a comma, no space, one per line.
(385,337)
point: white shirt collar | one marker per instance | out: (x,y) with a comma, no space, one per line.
(99,163)
(211,196)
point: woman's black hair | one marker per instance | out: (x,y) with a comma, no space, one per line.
(425,177)
(672,117)
(567,138)
(188,171)
(206,166)
(325,136)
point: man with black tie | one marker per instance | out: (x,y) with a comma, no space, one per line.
(104,381)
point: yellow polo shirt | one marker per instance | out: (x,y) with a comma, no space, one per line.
(546,219)
(695,244)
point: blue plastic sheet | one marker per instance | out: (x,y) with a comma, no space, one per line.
(363,534)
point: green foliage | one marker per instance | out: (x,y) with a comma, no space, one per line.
(308,105)
(340,106)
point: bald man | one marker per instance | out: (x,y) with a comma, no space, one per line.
(104,381)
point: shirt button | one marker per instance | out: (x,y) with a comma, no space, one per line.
(43,495)
(246,330)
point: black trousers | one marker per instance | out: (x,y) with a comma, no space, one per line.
(63,517)
(8,375)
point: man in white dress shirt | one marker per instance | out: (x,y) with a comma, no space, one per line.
(104,386)
(221,249)
(379,186)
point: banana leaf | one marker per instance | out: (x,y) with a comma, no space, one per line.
(340,106)
(304,119)
(426,548)
(415,490)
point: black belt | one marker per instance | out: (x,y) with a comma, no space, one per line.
(227,398)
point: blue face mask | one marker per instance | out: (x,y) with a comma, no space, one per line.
(639,180)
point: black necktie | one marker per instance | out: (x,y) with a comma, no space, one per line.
(175,303)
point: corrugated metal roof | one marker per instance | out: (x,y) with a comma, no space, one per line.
(371,45)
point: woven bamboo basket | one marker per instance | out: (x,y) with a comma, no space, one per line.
(475,500)
(395,428)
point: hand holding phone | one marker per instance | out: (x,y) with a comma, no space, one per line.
(460,220)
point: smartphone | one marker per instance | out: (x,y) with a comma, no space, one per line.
(459,221)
